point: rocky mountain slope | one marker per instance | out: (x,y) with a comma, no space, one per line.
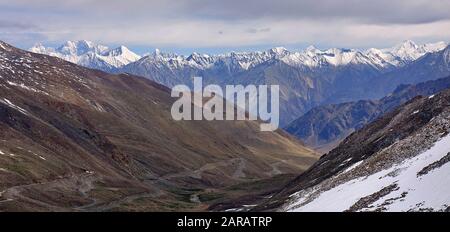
(77,139)
(399,162)
(324,127)
(307,78)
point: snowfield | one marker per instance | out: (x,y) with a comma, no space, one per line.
(421,183)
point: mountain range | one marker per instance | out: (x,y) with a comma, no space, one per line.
(307,79)
(89,54)
(324,127)
(79,139)
(399,55)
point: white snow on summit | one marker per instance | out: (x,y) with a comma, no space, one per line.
(89,54)
(312,57)
(404,52)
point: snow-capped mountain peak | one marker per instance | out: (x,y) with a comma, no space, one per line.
(122,52)
(407,44)
(80,47)
(382,58)
(434,47)
(340,56)
(157,52)
(402,53)
(119,51)
(279,51)
(311,49)
(39,48)
(407,50)
(90,54)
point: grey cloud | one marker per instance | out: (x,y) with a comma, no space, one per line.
(258,30)
(367,11)
(16,25)
(219,23)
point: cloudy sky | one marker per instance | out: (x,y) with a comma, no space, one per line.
(215,26)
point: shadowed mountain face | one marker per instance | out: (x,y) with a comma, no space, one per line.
(73,138)
(399,162)
(431,66)
(325,126)
(301,87)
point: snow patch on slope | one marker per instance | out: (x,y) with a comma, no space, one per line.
(411,191)
(12,105)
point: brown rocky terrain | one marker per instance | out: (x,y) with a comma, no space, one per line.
(76,139)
